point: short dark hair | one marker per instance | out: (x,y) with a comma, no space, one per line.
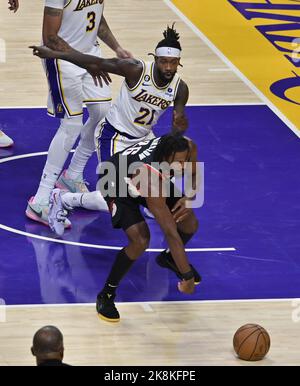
(47,340)
(171,38)
(169,145)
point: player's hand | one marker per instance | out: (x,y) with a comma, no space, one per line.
(186,286)
(44,52)
(180,122)
(98,75)
(180,211)
(13,5)
(123,54)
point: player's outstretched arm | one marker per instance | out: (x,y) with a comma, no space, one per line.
(131,69)
(180,122)
(163,216)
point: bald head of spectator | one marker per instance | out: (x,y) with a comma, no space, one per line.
(48,345)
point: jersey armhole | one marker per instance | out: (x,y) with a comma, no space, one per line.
(140,80)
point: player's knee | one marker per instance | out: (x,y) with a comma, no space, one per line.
(192,224)
(195,225)
(71,127)
(98,111)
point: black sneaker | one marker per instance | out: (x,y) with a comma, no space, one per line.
(106,308)
(165,260)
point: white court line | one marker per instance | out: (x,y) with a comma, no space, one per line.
(147,307)
(205,39)
(21,156)
(153,303)
(220,70)
(59,241)
(28,155)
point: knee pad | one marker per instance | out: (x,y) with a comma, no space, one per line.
(71,128)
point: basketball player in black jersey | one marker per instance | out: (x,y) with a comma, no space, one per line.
(150,190)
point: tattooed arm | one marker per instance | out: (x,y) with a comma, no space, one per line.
(105,34)
(51,26)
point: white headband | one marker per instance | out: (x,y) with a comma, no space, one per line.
(168,51)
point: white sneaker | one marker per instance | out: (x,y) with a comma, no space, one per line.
(57,215)
(74,186)
(5,141)
(39,212)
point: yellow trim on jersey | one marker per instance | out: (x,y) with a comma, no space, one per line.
(50,112)
(115,144)
(70,1)
(97,100)
(153,81)
(70,113)
(140,80)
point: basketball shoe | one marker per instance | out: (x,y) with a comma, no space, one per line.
(74,186)
(5,140)
(106,308)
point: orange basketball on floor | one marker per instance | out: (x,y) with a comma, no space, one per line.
(251,342)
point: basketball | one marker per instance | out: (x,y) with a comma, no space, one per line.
(251,342)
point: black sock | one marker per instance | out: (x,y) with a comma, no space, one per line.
(119,269)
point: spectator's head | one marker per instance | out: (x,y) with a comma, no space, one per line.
(48,344)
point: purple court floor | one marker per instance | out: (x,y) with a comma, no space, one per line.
(252,205)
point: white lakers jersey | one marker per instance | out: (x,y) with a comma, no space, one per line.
(137,109)
(80,23)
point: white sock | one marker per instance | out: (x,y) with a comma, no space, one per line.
(90,201)
(78,163)
(86,146)
(59,149)
(49,178)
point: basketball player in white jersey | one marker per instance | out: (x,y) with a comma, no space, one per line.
(71,25)
(147,91)
(5,140)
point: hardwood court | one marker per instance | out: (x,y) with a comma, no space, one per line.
(176,334)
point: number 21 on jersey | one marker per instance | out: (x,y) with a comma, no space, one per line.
(146,117)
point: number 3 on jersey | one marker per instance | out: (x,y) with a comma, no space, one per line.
(91,16)
(143,118)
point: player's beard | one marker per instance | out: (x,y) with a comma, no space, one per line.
(162,77)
